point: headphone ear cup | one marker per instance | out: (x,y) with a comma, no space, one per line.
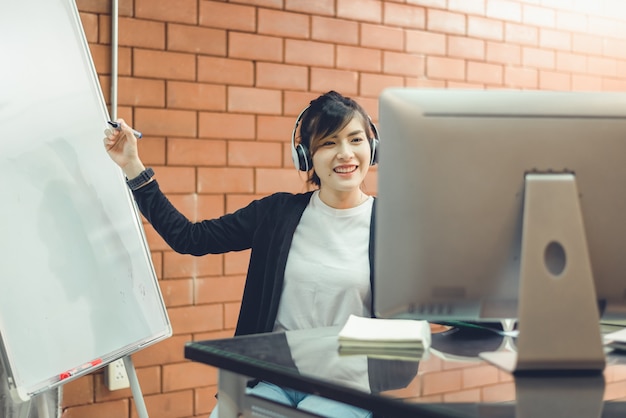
(302,158)
(374,148)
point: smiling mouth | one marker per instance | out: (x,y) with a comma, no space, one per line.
(345,170)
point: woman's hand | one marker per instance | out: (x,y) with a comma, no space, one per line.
(121,145)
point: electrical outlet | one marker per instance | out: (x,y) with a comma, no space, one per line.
(115,376)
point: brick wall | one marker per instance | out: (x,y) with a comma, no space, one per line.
(216,85)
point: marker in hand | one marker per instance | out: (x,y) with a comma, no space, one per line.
(117,125)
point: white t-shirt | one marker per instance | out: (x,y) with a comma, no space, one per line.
(327,276)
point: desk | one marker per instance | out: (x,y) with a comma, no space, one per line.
(449,381)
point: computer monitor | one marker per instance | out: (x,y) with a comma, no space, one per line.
(505,204)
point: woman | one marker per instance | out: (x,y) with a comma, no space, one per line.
(311,263)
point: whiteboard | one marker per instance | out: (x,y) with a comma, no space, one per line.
(77,284)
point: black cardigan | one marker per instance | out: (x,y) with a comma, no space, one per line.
(266,226)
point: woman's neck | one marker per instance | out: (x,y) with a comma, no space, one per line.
(343,200)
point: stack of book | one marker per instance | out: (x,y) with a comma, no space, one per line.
(401,339)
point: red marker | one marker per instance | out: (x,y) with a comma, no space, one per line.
(72,372)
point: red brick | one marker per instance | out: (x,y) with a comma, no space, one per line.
(445,22)
(362,10)
(225,71)
(254,154)
(226,126)
(475,7)
(327,29)
(319,54)
(504,53)
(201,318)
(280,23)
(602,66)
(199,40)
(502,392)
(141,33)
(373,84)
(323,80)
(405,16)
(254,100)
(225,180)
(571,21)
(438,4)
(94,6)
(166,121)
(586,82)
(552,80)
(422,42)
(538,58)
(164,64)
(187,375)
(181,151)
(183,11)
(519,77)
(177,292)
(411,65)
(177,179)
(520,34)
(317,7)
(255,47)
(481,27)
(566,61)
(270,180)
(134,91)
(555,39)
(219,289)
(79,391)
(295,101)
(447,68)
(615,48)
(441,382)
(89,21)
(217,14)
(382,37)
(274,128)
(464,47)
(613,84)
(586,44)
(480,72)
(152,150)
(104,29)
(195,96)
(538,16)
(504,10)
(359,58)
(281,76)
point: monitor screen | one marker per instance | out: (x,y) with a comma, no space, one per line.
(485,196)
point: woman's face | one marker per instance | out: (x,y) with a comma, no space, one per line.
(342,160)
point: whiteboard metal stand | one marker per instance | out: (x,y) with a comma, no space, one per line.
(135,388)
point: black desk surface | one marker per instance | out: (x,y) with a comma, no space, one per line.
(449,381)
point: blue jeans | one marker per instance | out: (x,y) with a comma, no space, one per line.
(311,403)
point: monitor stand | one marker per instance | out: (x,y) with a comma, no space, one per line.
(559,322)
